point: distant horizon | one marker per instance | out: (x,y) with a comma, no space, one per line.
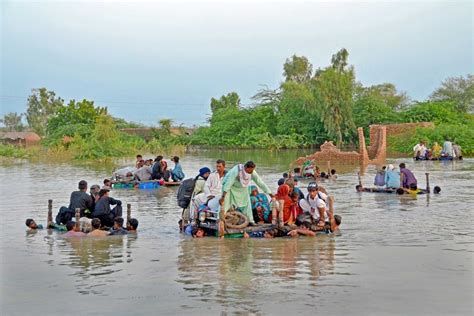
(149,61)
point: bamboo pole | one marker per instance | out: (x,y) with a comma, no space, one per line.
(401,180)
(360,179)
(78,217)
(281,205)
(221,223)
(49,221)
(329,169)
(129,213)
(274,211)
(427,174)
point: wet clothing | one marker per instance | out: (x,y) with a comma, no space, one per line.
(177,173)
(156,172)
(236,183)
(120,231)
(408,178)
(380,178)
(392,179)
(447,149)
(103,211)
(310,206)
(143,174)
(260,206)
(282,196)
(81,200)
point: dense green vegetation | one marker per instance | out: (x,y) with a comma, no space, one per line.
(307,108)
(310,107)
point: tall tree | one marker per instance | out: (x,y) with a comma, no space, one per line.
(333,89)
(297,68)
(231,100)
(42,104)
(12,121)
(459,90)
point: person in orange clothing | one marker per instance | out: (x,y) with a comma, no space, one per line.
(283,196)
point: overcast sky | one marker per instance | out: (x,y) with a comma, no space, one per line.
(147,61)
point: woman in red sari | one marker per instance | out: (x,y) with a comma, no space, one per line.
(283,195)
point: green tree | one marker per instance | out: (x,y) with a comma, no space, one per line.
(42,104)
(83,112)
(389,95)
(459,90)
(231,100)
(333,88)
(12,121)
(298,69)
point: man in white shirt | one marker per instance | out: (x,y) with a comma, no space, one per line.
(315,200)
(419,151)
(212,189)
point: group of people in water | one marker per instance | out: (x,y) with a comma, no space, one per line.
(389,179)
(100,215)
(241,188)
(151,169)
(449,151)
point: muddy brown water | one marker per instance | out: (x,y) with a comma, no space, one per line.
(395,255)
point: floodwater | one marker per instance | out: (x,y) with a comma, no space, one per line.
(395,255)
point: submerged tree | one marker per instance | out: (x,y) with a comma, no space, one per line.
(459,90)
(42,104)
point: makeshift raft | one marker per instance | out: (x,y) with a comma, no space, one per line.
(390,190)
(143,185)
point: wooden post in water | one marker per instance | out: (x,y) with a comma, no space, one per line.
(49,221)
(274,211)
(329,169)
(401,180)
(281,205)
(78,217)
(427,174)
(221,222)
(360,179)
(129,213)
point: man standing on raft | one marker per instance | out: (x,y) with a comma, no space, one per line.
(235,188)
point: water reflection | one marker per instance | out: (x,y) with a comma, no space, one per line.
(241,274)
(95,259)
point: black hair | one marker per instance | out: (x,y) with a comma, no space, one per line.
(249,164)
(333,171)
(402,165)
(285,175)
(338,219)
(102,192)
(175,159)
(105,181)
(133,222)
(293,194)
(139,156)
(82,185)
(29,221)
(195,230)
(158,158)
(413,186)
(297,170)
(118,220)
(70,225)
(95,223)
(323,175)
(358,187)
(220,161)
(306,225)
(400,191)
(384,167)
(281,181)
(436,190)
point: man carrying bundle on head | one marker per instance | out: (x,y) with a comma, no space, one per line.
(235,190)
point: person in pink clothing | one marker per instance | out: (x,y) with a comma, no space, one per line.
(71,232)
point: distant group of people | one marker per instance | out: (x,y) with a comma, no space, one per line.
(310,170)
(387,179)
(238,189)
(151,169)
(449,151)
(97,209)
